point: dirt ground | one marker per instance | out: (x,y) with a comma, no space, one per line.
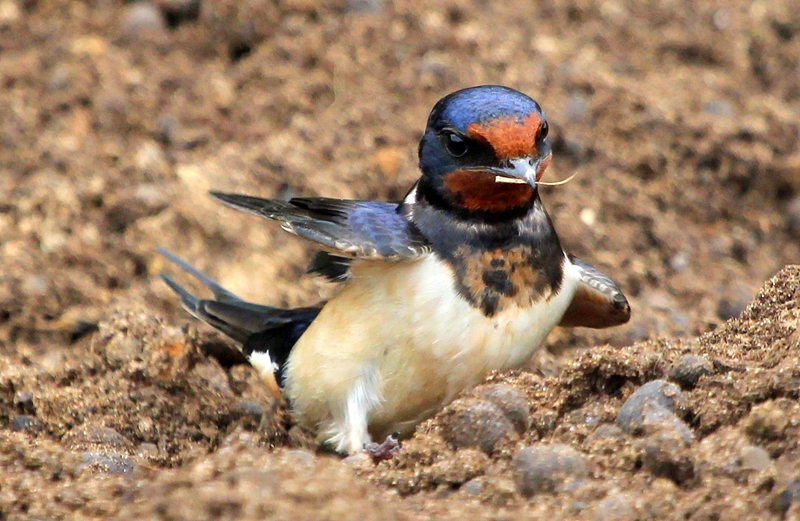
(681,117)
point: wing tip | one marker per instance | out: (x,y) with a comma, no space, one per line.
(598,302)
(219,195)
(188,300)
(274,209)
(622,308)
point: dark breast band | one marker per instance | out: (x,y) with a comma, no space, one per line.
(501,265)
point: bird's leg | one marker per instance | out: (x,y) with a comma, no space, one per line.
(363,397)
(385,450)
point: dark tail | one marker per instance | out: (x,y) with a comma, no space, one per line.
(255,328)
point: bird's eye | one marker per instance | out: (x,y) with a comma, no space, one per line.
(455,144)
(543,130)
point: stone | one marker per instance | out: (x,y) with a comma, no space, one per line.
(689,368)
(474,423)
(547,468)
(510,401)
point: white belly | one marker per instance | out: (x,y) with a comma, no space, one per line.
(399,342)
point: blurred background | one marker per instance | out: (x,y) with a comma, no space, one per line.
(681,118)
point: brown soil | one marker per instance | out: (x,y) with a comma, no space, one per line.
(682,119)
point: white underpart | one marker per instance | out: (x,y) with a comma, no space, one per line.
(398,343)
(504,341)
(348,430)
(263,363)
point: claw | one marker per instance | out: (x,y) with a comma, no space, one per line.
(386,450)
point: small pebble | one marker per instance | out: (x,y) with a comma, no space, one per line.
(34,286)
(783,500)
(142,18)
(720,107)
(510,401)
(666,455)
(237,438)
(766,421)
(23,398)
(614,507)
(123,349)
(578,506)
(658,393)
(151,161)
(473,487)
(88,435)
(576,109)
(147,450)
(547,468)
(649,412)
(24,423)
(689,368)
(110,462)
(754,458)
(679,262)
(474,423)
(359,460)
(364,6)
(299,457)
(721,19)
(59,79)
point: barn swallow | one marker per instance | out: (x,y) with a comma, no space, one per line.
(464,277)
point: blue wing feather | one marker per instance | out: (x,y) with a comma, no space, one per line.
(356,229)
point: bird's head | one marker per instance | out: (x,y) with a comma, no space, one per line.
(484,151)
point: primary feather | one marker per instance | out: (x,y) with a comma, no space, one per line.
(362,229)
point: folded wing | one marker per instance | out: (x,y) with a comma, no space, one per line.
(347,229)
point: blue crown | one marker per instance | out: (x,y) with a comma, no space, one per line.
(481,104)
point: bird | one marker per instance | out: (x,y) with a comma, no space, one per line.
(465,276)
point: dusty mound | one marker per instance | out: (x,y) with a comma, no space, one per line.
(700,427)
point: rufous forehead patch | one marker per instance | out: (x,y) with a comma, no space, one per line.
(510,137)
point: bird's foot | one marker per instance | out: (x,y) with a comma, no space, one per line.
(385,450)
